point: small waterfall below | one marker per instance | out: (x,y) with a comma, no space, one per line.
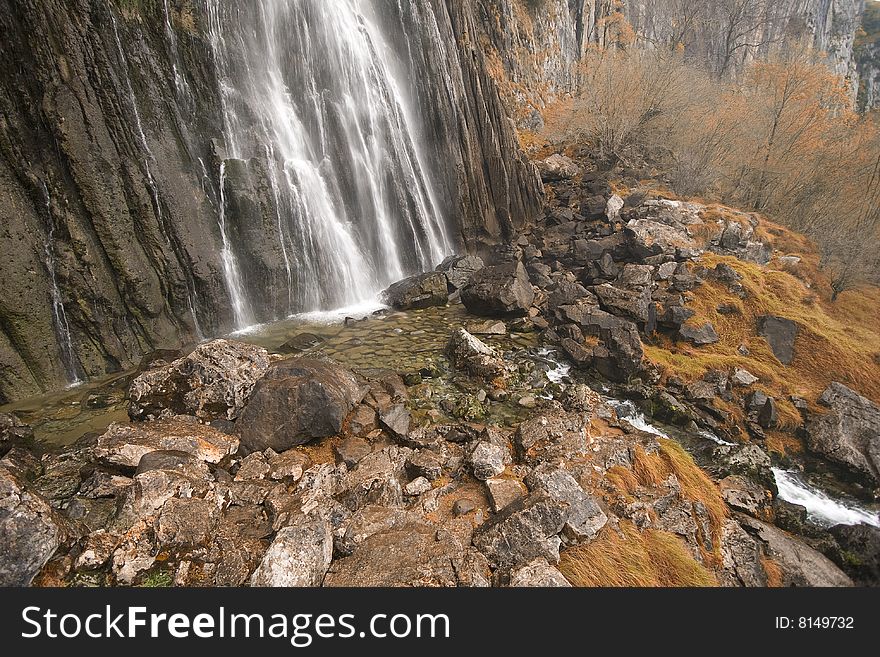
(822,508)
(59,315)
(313,91)
(151,182)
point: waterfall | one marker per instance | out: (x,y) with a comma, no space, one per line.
(314,89)
(181,86)
(59,315)
(151,182)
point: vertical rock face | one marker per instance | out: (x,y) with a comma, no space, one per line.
(868,57)
(116,221)
(535,46)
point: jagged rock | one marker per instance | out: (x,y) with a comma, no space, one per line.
(299,556)
(375,480)
(580,354)
(743,378)
(849,433)
(416,292)
(790,517)
(488,460)
(745,495)
(557,167)
(860,552)
(636,306)
(297,401)
(487,327)
(584,518)
(499,291)
(253,467)
(538,573)
(568,293)
(30,531)
(550,437)
(613,207)
(362,420)
(352,450)
(472,354)
(747,460)
(61,477)
(460,269)
(768,416)
(417,486)
(504,492)
(425,463)
(780,334)
(186,522)
(675,316)
(740,558)
(396,421)
(96,550)
(13,432)
(410,553)
(619,357)
(214,382)
(184,463)
(801,565)
(648,238)
(289,465)
(104,484)
(126,444)
(699,336)
(580,398)
(525,531)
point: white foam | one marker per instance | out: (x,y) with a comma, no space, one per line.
(821,507)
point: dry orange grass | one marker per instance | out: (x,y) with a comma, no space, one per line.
(836,341)
(625,556)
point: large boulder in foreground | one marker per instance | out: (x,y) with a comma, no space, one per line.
(417,292)
(30,531)
(297,401)
(213,382)
(499,291)
(126,444)
(850,433)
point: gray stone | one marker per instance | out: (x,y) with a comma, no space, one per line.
(417,486)
(584,518)
(504,492)
(699,336)
(297,401)
(416,292)
(523,532)
(352,450)
(460,269)
(215,381)
(746,495)
(557,167)
(538,574)
(849,433)
(396,421)
(743,378)
(488,460)
(126,444)
(299,556)
(472,354)
(780,334)
(463,507)
(499,291)
(550,437)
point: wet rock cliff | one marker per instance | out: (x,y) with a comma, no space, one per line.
(127,222)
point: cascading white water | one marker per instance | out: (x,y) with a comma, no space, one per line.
(62,326)
(181,86)
(240,307)
(148,157)
(313,88)
(821,507)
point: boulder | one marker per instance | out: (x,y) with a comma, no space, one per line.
(299,556)
(800,564)
(473,355)
(746,495)
(619,357)
(849,433)
(397,421)
(214,382)
(699,336)
(126,444)
(539,574)
(375,480)
(30,531)
(551,437)
(297,401)
(503,492)
(633,305)
(499,291)
(613,207)
(647,238)
(525,531)
(416,292)
(584,518)
(557,167)
(743,378)
(780,334)
(860,552)
(488,460)
(459,270)
(410,553)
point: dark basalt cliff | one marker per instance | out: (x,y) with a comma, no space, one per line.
(109,178)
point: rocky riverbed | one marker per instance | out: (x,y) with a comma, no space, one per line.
(497,423)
